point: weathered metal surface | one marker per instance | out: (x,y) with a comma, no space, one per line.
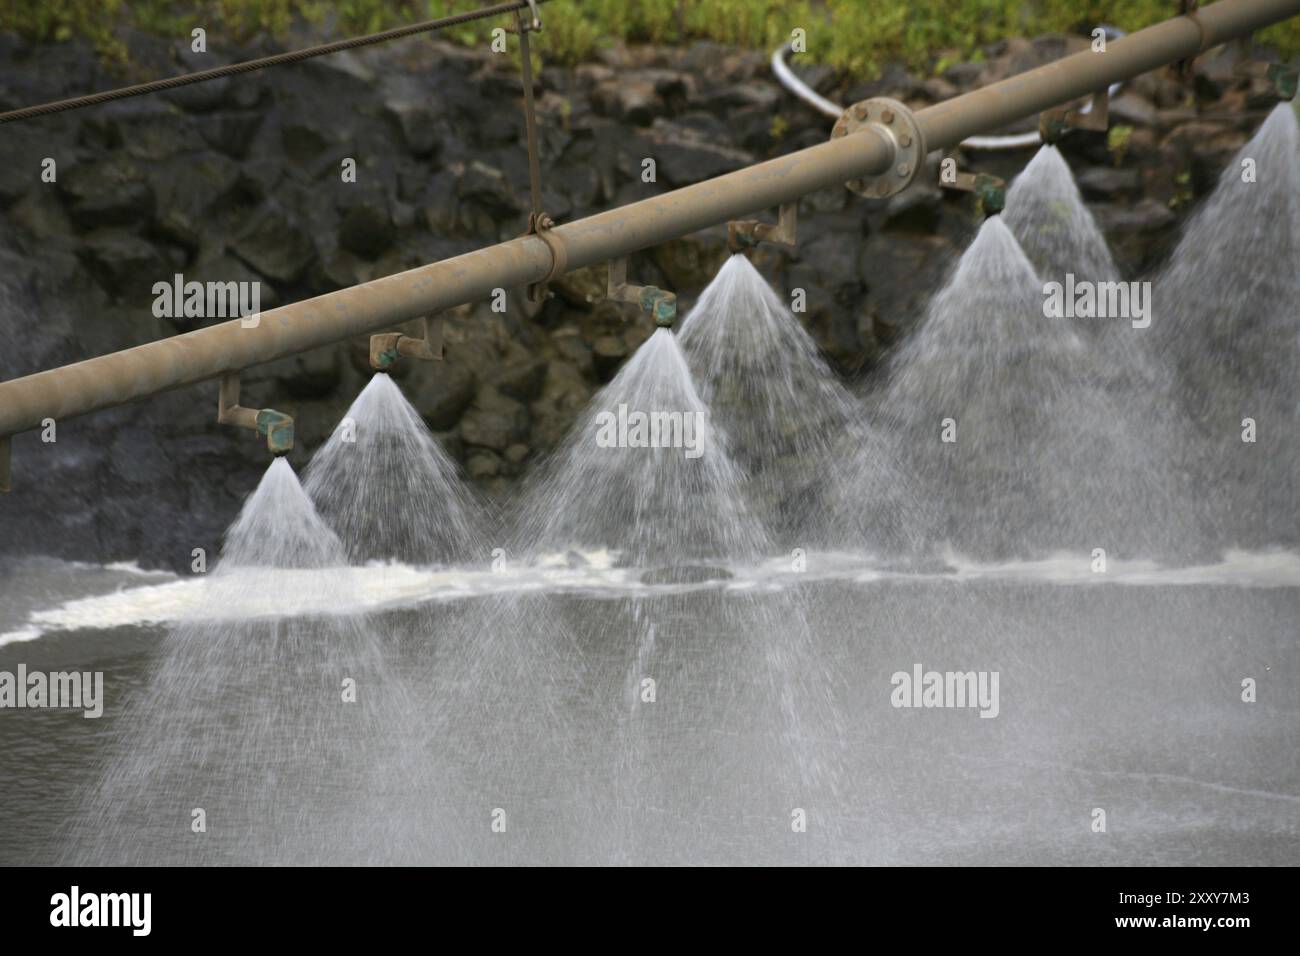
(746,233)
(1055,123)
(659,304)
(387,347)
(275,427)
(204,354)
(1284,78)
(989,190)
(946,124)
(897,125)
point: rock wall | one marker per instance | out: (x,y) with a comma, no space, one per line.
(240,179)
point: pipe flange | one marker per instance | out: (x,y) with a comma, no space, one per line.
(895,122)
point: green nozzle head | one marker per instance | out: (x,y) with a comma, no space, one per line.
(277,429)
(661,305)
(991,193)
(1284,79)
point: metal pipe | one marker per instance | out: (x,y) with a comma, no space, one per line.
(946,124)
(120,377)
(197,356)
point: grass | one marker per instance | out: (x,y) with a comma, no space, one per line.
(855,36)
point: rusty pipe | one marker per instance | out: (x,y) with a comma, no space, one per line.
(120,377)
(197,356)
(946,124)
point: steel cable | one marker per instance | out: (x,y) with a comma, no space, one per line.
(248,66)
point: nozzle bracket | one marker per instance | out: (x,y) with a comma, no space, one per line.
(387,347)
(990,191)
(1281,78)
(275,427)
(744,234)
(658,303)
(1055,123)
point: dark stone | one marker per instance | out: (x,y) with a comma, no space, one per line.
(924,260)
(522,381)
(110,192)
(963,75)
(760,94)
(1108,182)
(488,188)
(125,265)
(311,375)
(832,258)
(482,464)
(441,391)
(937,89)
(494,421)
(189,190)
(608,353)
(683,158)
(151,137)
(1132,109)
(1137,233)
(689,263)
(275,245)
(896,82)
(575,350)
(580,183)
(304,141)
(259,178)
(22,150)
(704,125)
(1215,75)
(632,102)
(41,215)
(416,123)
(915,209)
(366,227)
(1145,216)
(232,133)
(1211,145)
(136,455)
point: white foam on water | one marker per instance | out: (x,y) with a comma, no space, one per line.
(267,593)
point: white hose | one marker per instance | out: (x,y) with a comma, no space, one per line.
(803,91)
(798,87)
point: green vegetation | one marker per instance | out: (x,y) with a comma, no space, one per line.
(1117,140)
(851,35)
(1184,194)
